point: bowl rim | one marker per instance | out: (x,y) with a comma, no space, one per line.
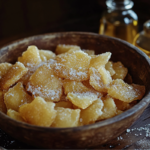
(142,104)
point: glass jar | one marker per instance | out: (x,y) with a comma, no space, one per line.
(142,40)
(119,20)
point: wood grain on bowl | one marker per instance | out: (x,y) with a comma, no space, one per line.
(92,135)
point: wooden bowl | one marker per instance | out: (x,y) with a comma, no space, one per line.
(92,135)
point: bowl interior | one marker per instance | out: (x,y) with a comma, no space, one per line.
(137,62)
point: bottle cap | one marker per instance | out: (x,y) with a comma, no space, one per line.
(119,4)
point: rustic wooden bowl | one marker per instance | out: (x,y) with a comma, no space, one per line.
(92,135)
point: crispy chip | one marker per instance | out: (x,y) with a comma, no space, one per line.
(4,67)
(45,55)
(120,90)
(66,117)
(120,71)
(38,112)
(96,80)
(109,67)
(82,100)
(100,60)
(31,57)
(15,115)
(13,75)
(92,113)
(109,108)
(73,66)
(45,83)
(74,86)
(62,48)
(16,96)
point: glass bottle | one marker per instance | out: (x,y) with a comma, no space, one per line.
(119,20)
(142,40)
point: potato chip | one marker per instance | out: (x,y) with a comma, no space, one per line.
(4,67)
(31,57)
(16,96)
(38,112)
(120,90)
(109,108)
(62,48)
(13,75)
(45,55)
(105,75)
(89,52)
(74,86)
(92,113)
(100,60)
(109,67)
(66,117)
(73,66)
(96,80)
(15,115)
(82,100)
(120,71)
(45,83)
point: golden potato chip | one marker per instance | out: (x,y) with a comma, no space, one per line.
(31,57)
(15,115)
(38,112)
(120,90)
(62,48)
(92,113)
(64,104)
(73,66)
(100,60)
(82,100)
(45,83)
(66,117)
(121,105)
(13,75)
(105,75)
(89,52)
(109,67)
(120,71)
(74,86)
(45,55)
(109,108)
(27,76)
(16,96)
(96,80)
(4,67)
(2,104)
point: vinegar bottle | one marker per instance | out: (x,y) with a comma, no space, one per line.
(142,40)
(119,20)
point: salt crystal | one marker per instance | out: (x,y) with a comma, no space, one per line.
(128,130)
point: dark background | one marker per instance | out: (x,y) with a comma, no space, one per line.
(23,18)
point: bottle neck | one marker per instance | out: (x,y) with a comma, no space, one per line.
(147,27)
(119,4)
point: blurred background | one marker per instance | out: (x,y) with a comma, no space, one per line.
(23,18)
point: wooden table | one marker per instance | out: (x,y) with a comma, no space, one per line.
(136,137)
